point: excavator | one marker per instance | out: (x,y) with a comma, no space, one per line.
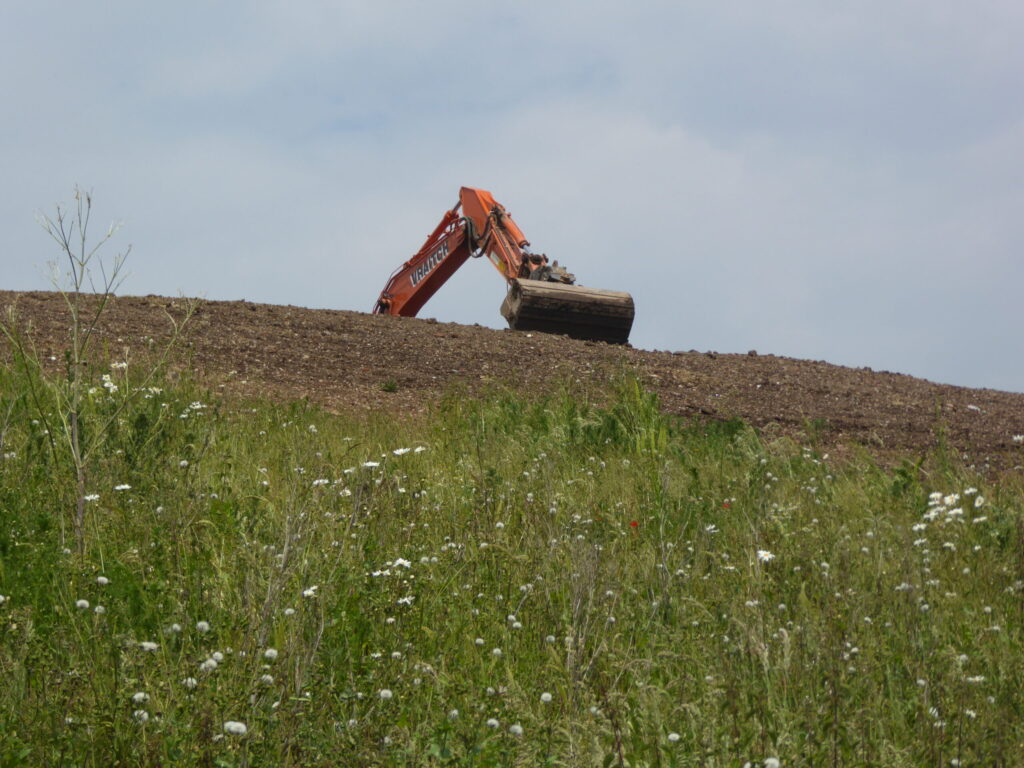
(542,296)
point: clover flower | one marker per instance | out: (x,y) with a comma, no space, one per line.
(235,728)
(516,729)
(492,722)
(82,605)
(148,646)
(102,581)
(203,626)
(270,654)
(545,697)
(385,694)
(673,737)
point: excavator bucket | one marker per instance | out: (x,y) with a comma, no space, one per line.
(574,310)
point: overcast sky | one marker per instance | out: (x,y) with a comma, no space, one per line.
(833,181)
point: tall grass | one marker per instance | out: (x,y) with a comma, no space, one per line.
(508,581)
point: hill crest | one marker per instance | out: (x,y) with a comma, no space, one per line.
(343,359)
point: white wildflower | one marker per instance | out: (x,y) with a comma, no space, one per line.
(235,728)
(203,626)
(270,654)
(516,729)
(82,604)
(148,646)
(385,694)
(764,556)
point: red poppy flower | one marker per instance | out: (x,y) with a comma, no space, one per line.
(633,523)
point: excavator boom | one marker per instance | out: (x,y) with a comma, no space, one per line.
(541,295)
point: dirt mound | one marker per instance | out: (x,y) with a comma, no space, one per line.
(350,359)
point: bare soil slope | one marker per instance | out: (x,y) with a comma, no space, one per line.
(343,360)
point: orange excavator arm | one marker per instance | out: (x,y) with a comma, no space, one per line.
(541,296)
(413,283)
(484,227)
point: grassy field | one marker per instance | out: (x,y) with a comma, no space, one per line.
(508,581)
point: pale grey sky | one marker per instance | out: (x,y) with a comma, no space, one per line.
(819,180)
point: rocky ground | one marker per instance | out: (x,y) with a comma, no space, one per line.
(346,360)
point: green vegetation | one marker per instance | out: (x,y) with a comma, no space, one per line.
(504,582)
